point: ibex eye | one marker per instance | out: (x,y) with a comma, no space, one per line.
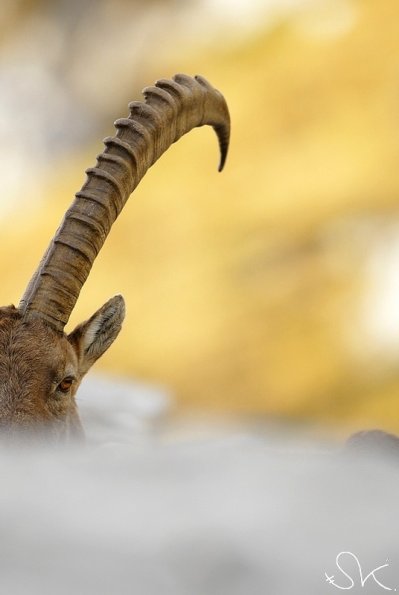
(65,385)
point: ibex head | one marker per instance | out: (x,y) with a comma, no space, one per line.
(41,366)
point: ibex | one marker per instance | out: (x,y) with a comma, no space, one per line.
(40,365)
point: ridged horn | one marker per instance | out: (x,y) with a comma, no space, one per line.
(171,108)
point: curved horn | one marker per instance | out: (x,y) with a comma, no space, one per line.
(171,108)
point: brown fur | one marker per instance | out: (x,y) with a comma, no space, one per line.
(34,359)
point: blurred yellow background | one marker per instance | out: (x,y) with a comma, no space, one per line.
(270,290)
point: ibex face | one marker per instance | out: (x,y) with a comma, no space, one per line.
(40,366)
(41,369)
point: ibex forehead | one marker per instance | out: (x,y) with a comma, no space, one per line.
(33,341)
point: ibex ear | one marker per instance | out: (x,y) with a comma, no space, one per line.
(93,337)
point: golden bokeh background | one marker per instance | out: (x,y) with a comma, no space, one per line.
(268,291)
